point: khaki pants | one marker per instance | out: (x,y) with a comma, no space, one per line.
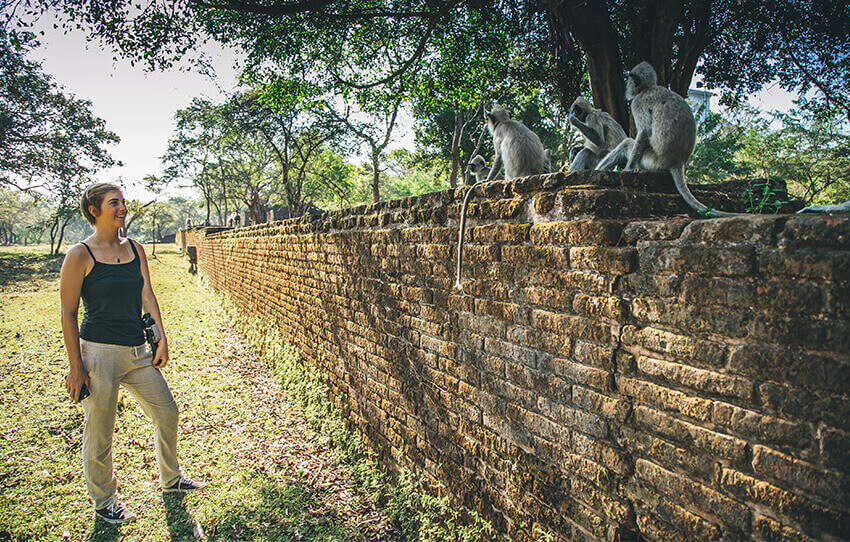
(108,366)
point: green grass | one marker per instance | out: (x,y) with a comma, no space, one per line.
(273,478)
(262,432)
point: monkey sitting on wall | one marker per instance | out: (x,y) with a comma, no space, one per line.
(517,148)
(666,134)
(477,168)
(601,134)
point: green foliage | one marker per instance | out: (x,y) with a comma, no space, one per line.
(411,504)
(762,199)
(47,139)
(714,158)
(810,151)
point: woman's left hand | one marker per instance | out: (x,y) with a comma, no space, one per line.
(160,358)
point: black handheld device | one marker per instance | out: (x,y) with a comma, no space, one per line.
(84,392)
(152,334)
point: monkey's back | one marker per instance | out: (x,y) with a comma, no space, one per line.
(522,151)
(671,124)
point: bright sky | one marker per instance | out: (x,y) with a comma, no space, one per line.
(139,106)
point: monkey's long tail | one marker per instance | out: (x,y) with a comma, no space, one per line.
(461,234)
(678,174)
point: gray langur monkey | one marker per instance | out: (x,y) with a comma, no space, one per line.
(547,161)
(601,134)
(477,167)
(518,149)
(666,134)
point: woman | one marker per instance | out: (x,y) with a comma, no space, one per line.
(110,275)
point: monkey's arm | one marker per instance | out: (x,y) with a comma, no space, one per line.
(640,146)
(589,132)
(496,167)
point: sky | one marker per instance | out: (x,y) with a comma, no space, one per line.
(136,104)
(139,105)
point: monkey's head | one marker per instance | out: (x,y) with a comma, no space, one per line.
(641,77)
(476,164)
(496,116)
(580,109)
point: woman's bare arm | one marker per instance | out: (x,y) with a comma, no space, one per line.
(74,270)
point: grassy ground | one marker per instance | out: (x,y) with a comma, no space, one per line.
(271,476)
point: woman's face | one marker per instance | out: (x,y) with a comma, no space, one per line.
(113,209)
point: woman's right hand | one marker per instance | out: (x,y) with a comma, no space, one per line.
(74,383)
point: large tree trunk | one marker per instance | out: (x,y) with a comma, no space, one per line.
(590,24)
(456,150)
(376,177)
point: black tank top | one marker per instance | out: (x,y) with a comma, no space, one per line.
(112,297)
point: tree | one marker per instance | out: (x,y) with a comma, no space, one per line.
(715,156)
(739,45)
(46,137)
(810,151)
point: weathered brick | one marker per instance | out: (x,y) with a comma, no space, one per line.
(699,379)
(792,402)
(590,353)
(790,505)
(665,399)
(673,258)
(835,449)
(813,231)
(503,234)
(768,463)
(768,529)
(678,523)
(753,230)
(577,232)
(680,346)
(654,230)
(603,405)
(700,496)
(831,265)
(614,260)
(806,331)
(762,428)
(600,452)
(582,374)
(723,446)
(734,292)
(574,326)
(664,453)
(642,284)
(799,368)
(702,318)
(599,306)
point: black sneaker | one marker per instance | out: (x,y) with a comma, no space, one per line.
(183,485)
(115,513)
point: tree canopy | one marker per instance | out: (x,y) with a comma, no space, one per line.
(738,45)
(46,136)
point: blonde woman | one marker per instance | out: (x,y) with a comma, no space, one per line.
(107,350)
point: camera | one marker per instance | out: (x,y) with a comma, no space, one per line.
(152,333)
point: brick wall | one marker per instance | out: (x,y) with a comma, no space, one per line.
(604,374)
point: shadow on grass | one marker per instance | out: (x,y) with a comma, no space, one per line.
(104,532)
(280,513)
(27,270)
(181,525)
